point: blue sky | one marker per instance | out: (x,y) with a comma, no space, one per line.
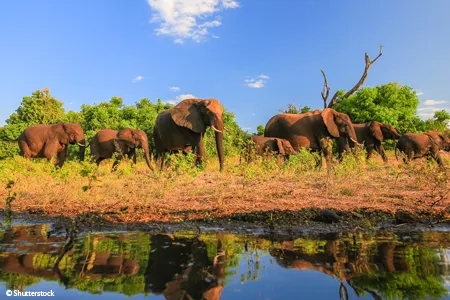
(255,56)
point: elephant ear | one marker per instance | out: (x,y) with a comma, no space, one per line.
(280,146)
(61,136)
(187,114)
(328,118)
(288,147)
(131,140)
(375,129)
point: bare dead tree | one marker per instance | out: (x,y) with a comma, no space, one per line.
(326,88)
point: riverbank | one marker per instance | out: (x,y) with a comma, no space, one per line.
(261,194)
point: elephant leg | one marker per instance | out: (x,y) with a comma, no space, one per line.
(61,156)
(379,148)
(327,147)
(116,162)
(132,155)
(200,152)
(24,149)
(160,158)
(99,160)
(437,157)
(318,159)
(369,151)
(50,149)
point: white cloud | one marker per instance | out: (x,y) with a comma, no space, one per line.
(188,19)
(184,97)
(247,128)
(173,102)
(180,98)
(255,83)
(215,36)
(419,93)
(174,88)
(230,4)
(426,115)
(428,112)
(433,102)
(430,109)
(137,79)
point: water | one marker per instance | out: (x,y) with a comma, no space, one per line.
(218,265)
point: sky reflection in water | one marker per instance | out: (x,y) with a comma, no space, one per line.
(383,265)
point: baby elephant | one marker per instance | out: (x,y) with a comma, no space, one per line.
(428,144)
(123,142)
(260,145)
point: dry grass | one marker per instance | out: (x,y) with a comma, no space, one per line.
(134,194)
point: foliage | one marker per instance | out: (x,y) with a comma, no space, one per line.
(440,122)
(39,108)
(42,108)
(292,108)
(390,103)
(382,264)
(260,130)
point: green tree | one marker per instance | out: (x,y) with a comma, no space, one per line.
(390,103)
(39,108)
(292,108)
(440,122)
(260,130)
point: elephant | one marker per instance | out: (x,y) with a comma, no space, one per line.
(123,142)
(370,134)
(266,146)
(51,140)
(312,130)
(183,127)
(416,145)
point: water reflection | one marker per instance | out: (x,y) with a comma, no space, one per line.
(211,266)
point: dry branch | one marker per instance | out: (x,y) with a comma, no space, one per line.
(360,82)
(326,89)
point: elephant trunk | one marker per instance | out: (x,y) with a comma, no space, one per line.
(82,144)
(147,155)
(218,127)
(352,135)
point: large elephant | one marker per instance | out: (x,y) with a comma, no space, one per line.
(370,134)
(51,140)
(312,130)
(416,145)
(183,127)
(259,145)
(123,142)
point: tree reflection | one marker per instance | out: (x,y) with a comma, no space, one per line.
(186,266)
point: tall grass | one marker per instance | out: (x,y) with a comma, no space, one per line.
(184,191)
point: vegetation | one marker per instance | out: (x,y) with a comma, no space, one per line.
(183,192)
(380,264)
(43,108)
(393,104)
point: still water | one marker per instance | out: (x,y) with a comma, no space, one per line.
(382,265)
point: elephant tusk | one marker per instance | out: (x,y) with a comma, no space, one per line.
(354,141)
(81,145)
(215,129)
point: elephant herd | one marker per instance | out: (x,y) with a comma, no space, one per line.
(182,129)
